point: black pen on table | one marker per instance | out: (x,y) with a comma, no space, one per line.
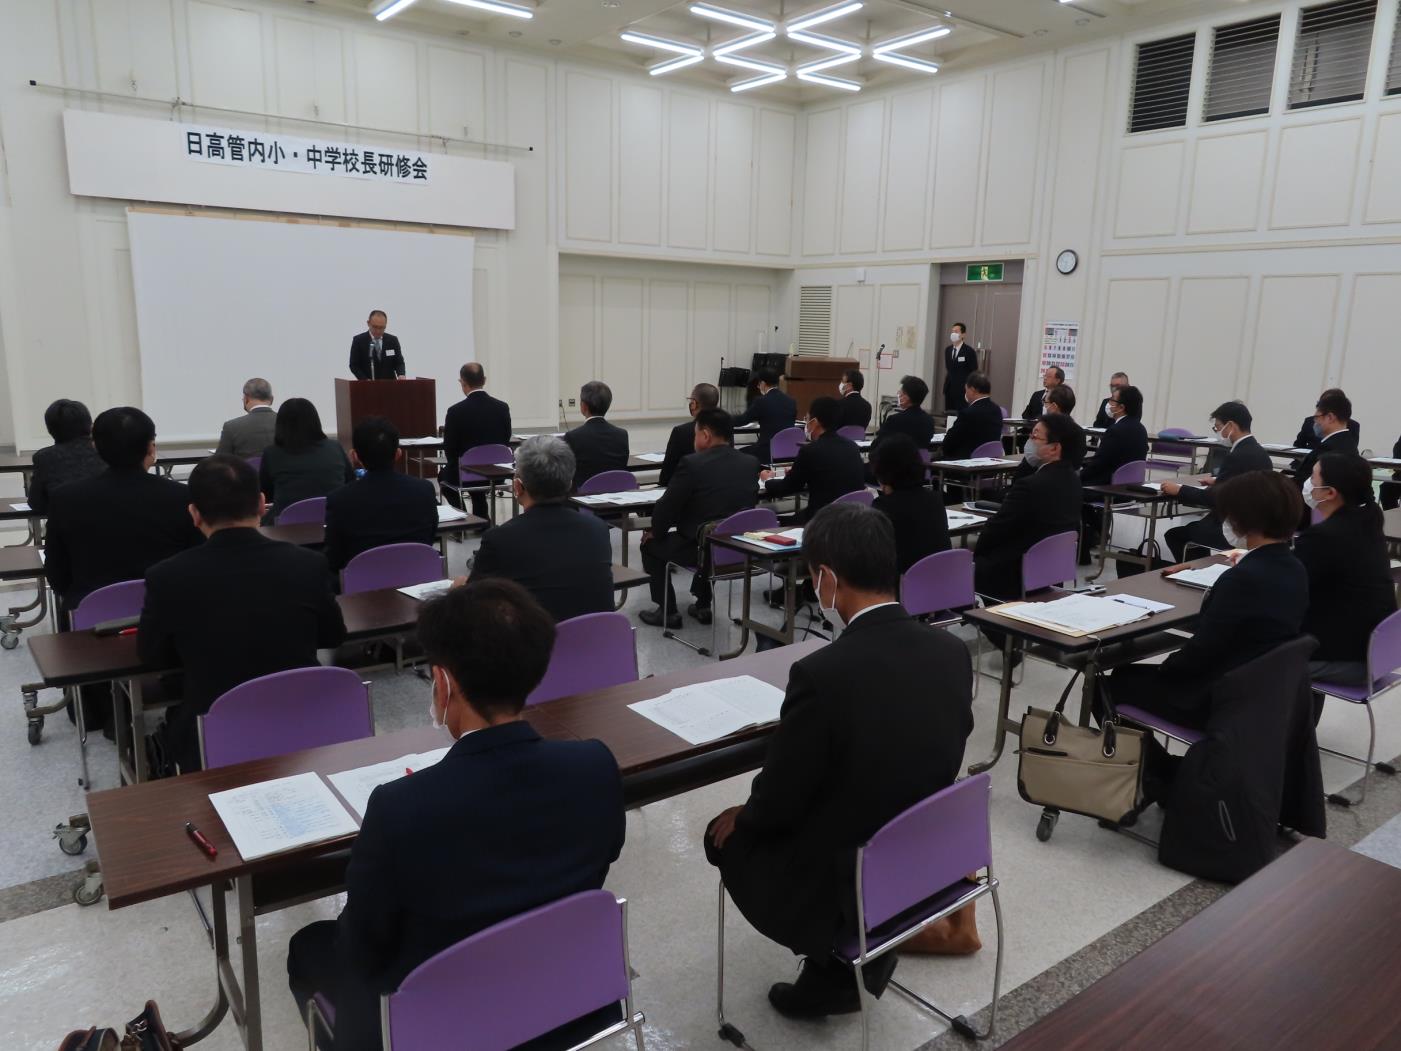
(201,840)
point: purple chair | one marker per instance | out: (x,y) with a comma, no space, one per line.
(942,583)
(724,565)
(479,456)
(852,432)
(285,712)
(864,497)
(993,449)
(391,566)
(1135,472)
(784,444)
(1049,562)
(608,482)
(1142,717)
(516,981)
(1383,672)
(1132,473)
(912,873)
(311,511)
(590,652)
(255,462)
(1181,453)
(113,602)
(1006,412)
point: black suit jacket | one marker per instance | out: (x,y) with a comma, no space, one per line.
(920,521)
(1036,405)
(1350,588)
(978,424)
(391,366)
(383,507)
(707,487)
(836,771)
(772,412)
(914,423)
(1344,442)
(958,366)
(234,608)
(598,446)
(680,443)
(478,419)
(827,468)
(1035,507)
(1247,455)
(1102,418)
(60,464)
(1306,439)
(856,411)
(111,528)
(1124,442)
(506,822)
(561,555)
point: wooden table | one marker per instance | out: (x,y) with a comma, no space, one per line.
(145,853)
(23,562)
(969,477)
(1301,955)
(754,553)
(313,534)
(1125,497)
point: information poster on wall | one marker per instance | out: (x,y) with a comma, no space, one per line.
(1060,345)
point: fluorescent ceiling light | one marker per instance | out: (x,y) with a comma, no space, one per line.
(825,15)
(749,63)
(498,7)
(743,42)
(646,40)
(911,40)
(759,82)
(735,18)
(918,64)
(826,63)
(831,82)
(829,42)
(675,64)
(389,10)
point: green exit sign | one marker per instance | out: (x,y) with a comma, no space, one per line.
(984,271)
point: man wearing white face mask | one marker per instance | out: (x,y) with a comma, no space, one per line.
(960,362)
(846,757)
(826,467)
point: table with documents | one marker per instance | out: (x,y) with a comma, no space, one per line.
(758,551)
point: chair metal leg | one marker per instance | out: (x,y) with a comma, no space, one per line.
(727,1031)
(1338,798)
(862,996)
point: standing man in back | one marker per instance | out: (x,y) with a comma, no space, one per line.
(773,410)
(682,441)
(960,362)
(478,419)
(597,445)
(248,435)
(374,353)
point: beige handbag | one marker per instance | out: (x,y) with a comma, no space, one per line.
(1098,773)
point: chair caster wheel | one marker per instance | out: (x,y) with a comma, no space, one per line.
(71,843)
(36,730)
(8,641)
(1339,800)
(1047,824)
(1386,768)
(89,890)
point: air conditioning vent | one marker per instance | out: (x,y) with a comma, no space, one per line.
(1242,70)
(1331,52)
(815,320)
(1161,82)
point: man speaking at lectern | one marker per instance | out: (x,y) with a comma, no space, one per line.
(375,354)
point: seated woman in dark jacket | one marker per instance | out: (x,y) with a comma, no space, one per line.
(1350,586)
(1254,607)
(302,462)
(71,457)
(917,513)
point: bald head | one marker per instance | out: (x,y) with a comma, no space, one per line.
(472,375)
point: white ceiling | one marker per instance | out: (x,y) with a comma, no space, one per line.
(983,31)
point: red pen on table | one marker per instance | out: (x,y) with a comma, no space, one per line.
(201,840)
(408,770)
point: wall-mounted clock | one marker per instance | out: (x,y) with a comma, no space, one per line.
(1067,261)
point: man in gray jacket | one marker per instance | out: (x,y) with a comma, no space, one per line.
(251,433)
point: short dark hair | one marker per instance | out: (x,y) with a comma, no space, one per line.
(472,374)
(1260,502)
(1335,402)
(705,395)
(1060,372)
(1062,397)
(381,313)
(1114,376)
(979,382)
(961,327)
(122,435)
(826,411)
(896,463)
(767,376)
(1066,433)
(298,425)
(1233,412)
(1131,398)
(493,638)
(224,489)
(718,422)
(66,419)
(915,389)
(857,542)
(375,441)
(598,396)
(854,377)
(1352,477)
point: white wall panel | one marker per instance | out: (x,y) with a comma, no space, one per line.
(957,160)
(1227,178)
(135,47)
(907,171)
(1009,201)
(587,176)
(897,308)
(310,69)
(773,225)
(578,333)
(1384,193)
(226,56)
(821,170)
(861,176)
(1215,306)
(668,359)
(621,335)
(1315,174)
(1149,179)
(385,71)
(1369,358)
(734,176)
(456,93)
(711,322)
(853,321)
(639,164)
(1293,333)
(753,321)
(688,170)
(1135,320)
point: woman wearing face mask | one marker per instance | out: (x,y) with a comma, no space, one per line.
(1350,586)
(1253,608)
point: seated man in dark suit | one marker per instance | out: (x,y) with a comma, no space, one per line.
(1102,417)
(597,445)
(827,466)
(1051,378)
(374,353)
(1332,418)
(384,506)
(773,410)
(504,823)
(1124,442)
(1060,399)
(248,435)
(1310,436)
(836,771)
(561,555)
(856,410)
(711,484)
(237,607)
(71,458)
(478,419)
(911,420)
(977,424)
(682,441)
(1231,423)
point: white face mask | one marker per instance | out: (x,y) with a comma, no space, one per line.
(433,716)
(1033,452)
(955,337)
(1221,438)
(829,613)
(1232,537)
(1309,497)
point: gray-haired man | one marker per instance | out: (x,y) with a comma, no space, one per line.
(248,435)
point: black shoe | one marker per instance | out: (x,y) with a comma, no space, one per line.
(822,989)
(878,972)
(774,598)
(653,617)
(698,612)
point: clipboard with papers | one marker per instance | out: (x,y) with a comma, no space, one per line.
(1204,579)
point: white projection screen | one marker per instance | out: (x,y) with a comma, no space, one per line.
(220,300)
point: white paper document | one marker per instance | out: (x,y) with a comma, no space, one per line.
(1074,614)
(448,513)
(652,457)
(748,426)
(505,466)
(962,519)
(864,443)
(1157,487)
(279,815)
(431,440)
(426,591)
(624,499)
(708,711)
(938,439)
(20,507)
(976,461)
(1142,603)
(1204,578)
(796,534)
(356,785)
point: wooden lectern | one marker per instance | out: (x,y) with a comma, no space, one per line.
(810,378)
(411,405)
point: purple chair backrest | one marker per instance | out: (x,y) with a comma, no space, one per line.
(255,462)
(286,712)
(491,984)
(1315,516)
(1132,473)
(740,522)
(481,454)
(930,846)
(1384,649)
(311,511)
(1172,448)
(852,432)
(864,497)
(1006,412)
(990,449)
(591,652)
(391,566)
(608,482)
(113,602)
(784,444)
(1049,561)
(940,581)
(925,456)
